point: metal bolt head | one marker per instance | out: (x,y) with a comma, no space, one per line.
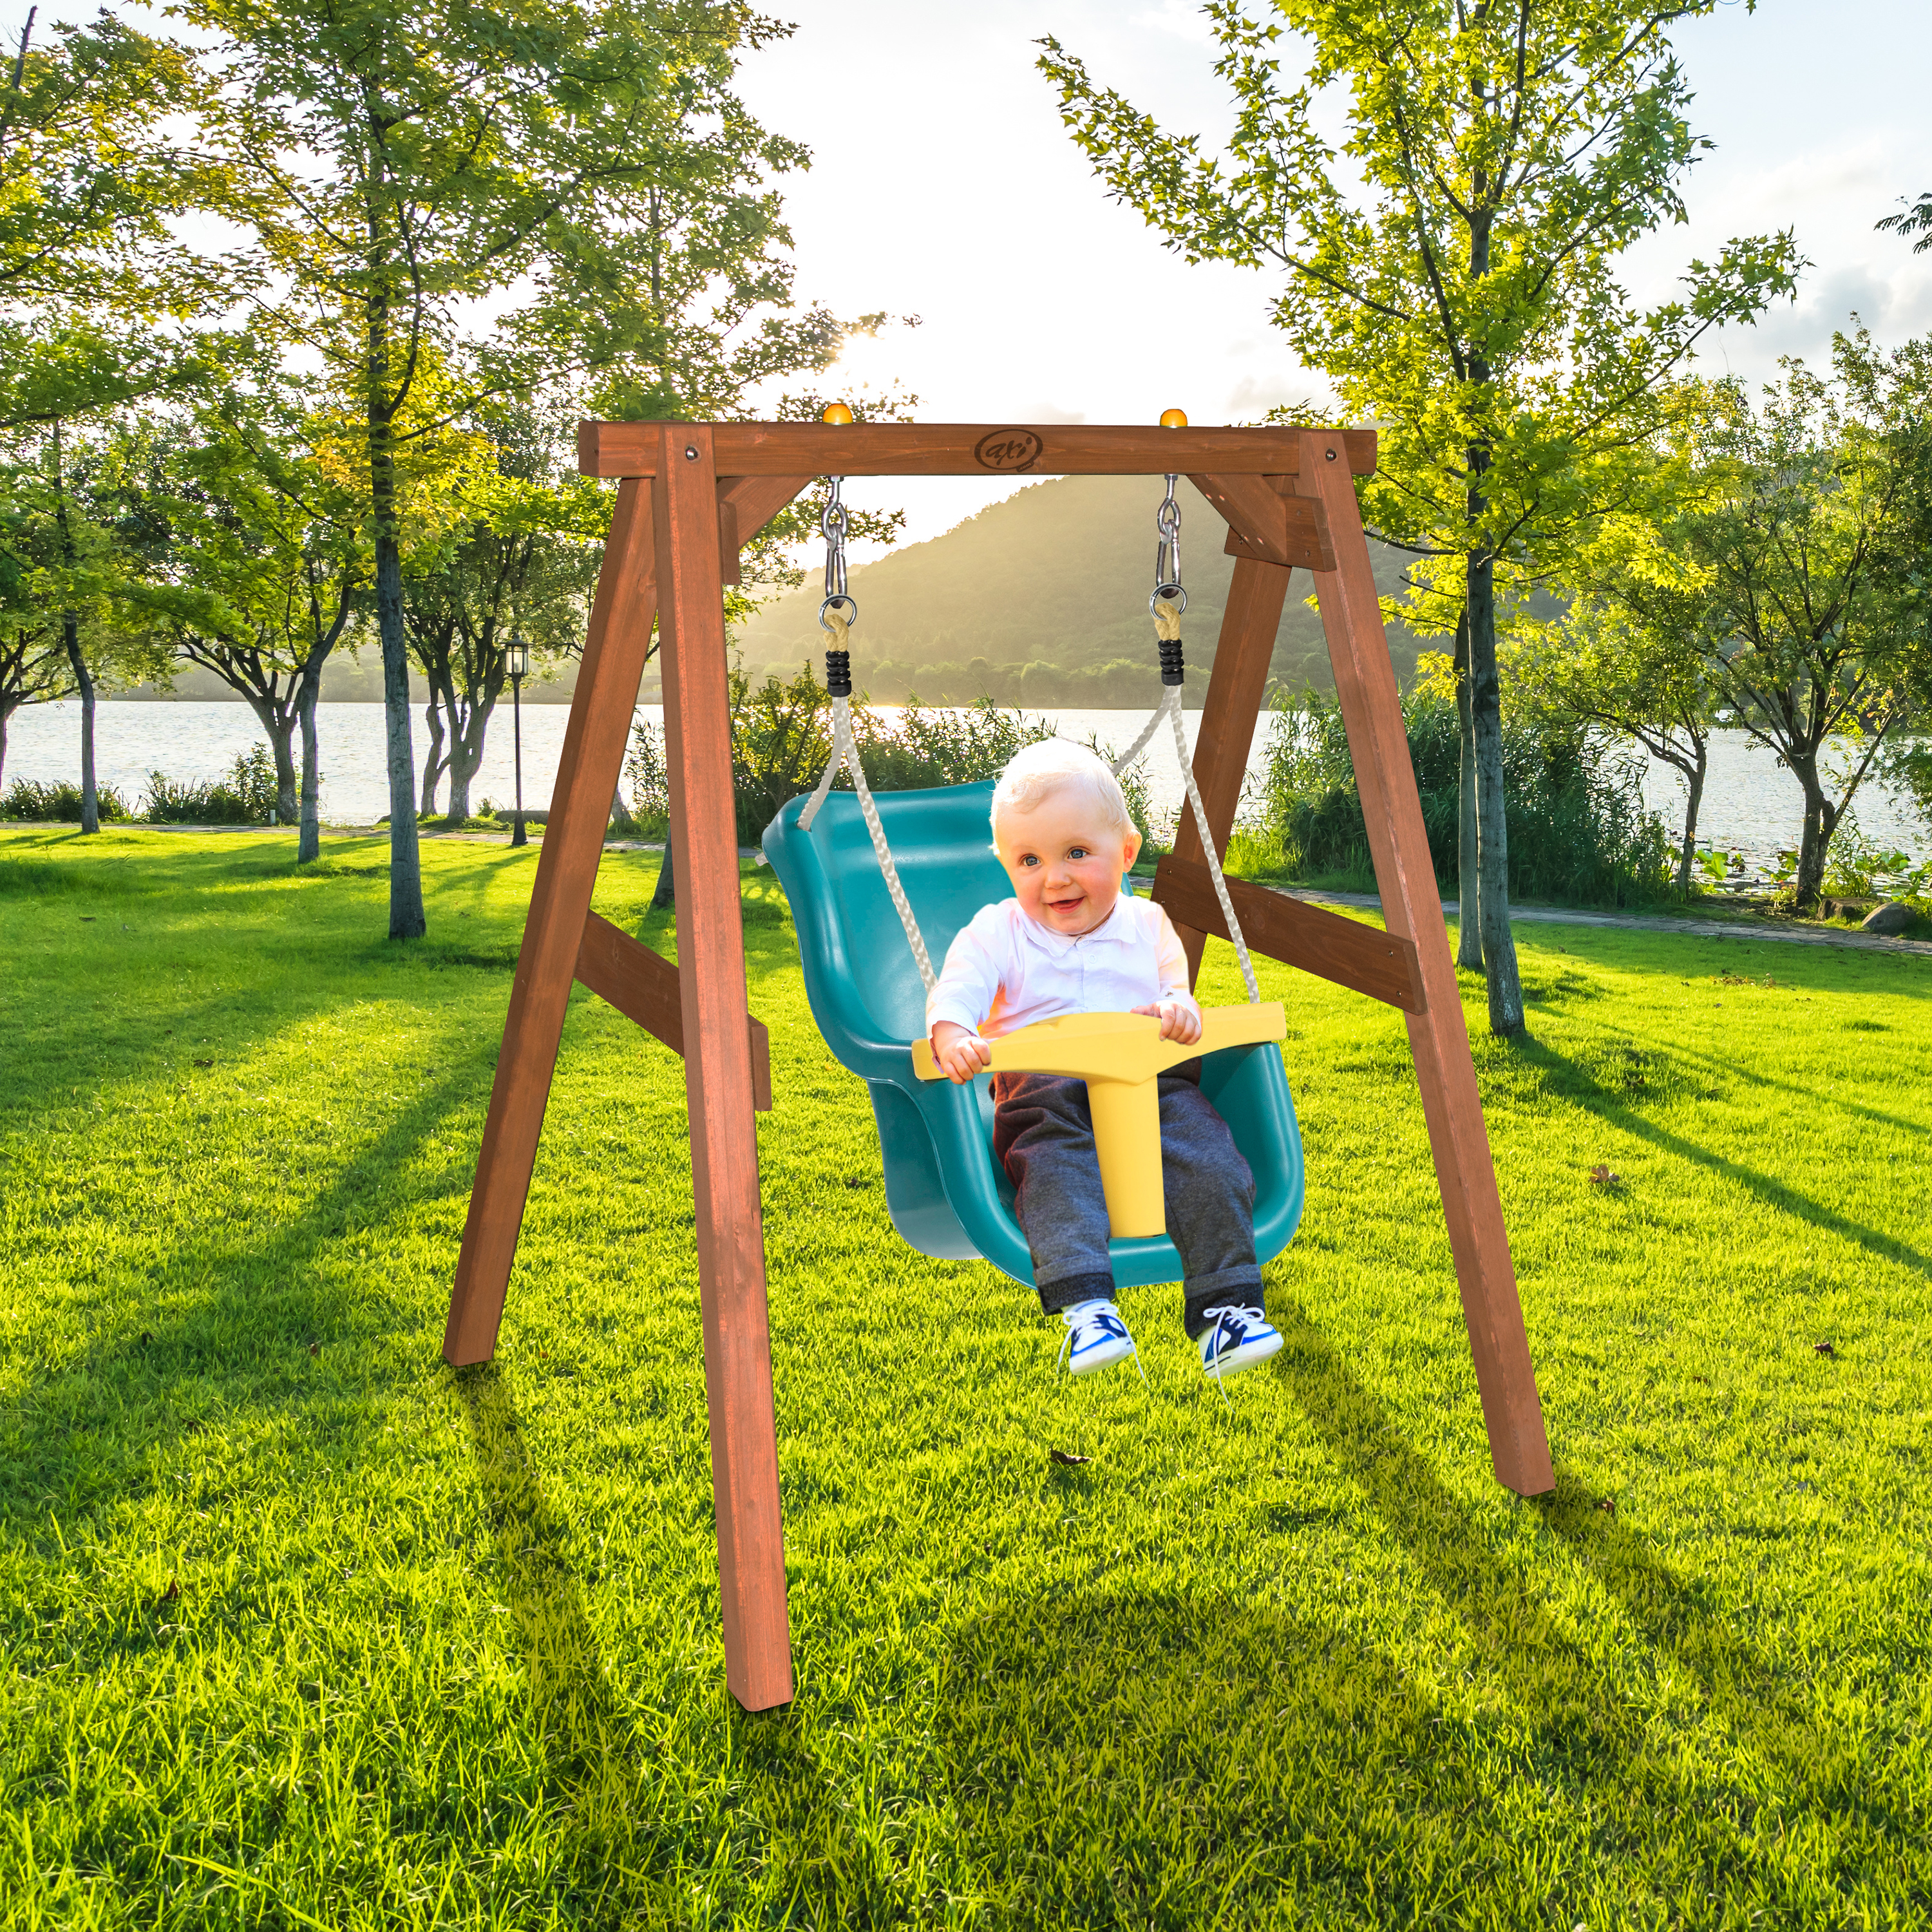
(1330,454)
(691,450)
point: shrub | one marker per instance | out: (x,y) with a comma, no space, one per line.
(59,801)
(1578,830)
(246,797)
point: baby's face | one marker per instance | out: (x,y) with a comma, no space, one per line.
(1065,860)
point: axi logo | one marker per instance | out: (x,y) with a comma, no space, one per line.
(1008,449)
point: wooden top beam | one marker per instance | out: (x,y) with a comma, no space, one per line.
(964,449)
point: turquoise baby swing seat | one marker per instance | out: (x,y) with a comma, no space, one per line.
(947,1195)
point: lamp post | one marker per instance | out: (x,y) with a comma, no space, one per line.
(517,658)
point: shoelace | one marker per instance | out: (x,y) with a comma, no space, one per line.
(1107,1321)
(1240,1320)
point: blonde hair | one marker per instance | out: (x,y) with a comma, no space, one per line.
(1037,771)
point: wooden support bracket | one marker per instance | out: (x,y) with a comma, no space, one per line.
(1342,950)
(1263,524)
(642,985)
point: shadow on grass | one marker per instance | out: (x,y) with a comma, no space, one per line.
(585,1738)
(240,1341)
(1183,1760)
(1571,1078)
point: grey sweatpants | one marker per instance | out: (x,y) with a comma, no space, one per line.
(1043,1132)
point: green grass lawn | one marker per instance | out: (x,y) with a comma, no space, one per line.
(301,1629)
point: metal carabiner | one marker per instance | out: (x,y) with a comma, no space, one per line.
(1167,585)
(834,522)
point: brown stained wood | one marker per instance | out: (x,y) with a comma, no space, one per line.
(961,449)
(1267,526)
(642,985)
(1256,591)
(745,505)
(1342,950)
(718,1073)
(614,649)
(1438,1037)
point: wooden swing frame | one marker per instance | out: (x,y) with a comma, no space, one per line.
(689,496)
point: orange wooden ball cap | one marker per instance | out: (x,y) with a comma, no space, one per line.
(837,414)
(1173,418)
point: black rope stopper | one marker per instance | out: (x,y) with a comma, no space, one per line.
(1173,670)
(839,674)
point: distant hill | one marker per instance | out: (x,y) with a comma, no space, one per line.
(1041,599)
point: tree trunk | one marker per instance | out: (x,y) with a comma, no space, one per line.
(465,749)
(90,796)
(90,799)
(1468,914)
(665,898)
(278,725)
(308,841)
(406,899)
(1694,779)
(1492,825)
(433,760)
(1820,822)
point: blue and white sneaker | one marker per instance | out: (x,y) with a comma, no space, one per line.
(1096,1337)
(1237,1338)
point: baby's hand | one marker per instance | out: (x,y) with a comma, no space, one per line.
(960,1053)
(1177,1022)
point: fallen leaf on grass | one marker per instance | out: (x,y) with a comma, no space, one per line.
(1601,1176)
(1824,1348)
(1067,1461)
(1608,1505)
(315,1348)
(169,1594)
(204,1063)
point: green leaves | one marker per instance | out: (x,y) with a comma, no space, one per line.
(1449,264)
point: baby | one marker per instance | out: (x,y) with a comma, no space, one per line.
(1070,942)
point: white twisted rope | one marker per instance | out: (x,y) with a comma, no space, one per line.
(845,753)
(1169,709)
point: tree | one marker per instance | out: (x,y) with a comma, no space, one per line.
(586,172)
(1631,656)
(245,559)
(33,666)
(1450,269)
(522,559)
(60,561)
(1809,547)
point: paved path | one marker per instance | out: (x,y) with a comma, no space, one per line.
(1744,928)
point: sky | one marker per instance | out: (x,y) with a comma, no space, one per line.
(943,186)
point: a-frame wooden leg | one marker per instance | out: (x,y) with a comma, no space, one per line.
(1439,1038)
(615,646)
(1255,594)
(718,1076)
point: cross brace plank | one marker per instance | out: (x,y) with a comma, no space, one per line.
(642,985)
(1341,950)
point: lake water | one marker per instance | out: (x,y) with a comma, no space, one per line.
(1751,804)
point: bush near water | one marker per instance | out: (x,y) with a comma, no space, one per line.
(246,797)
(1578,829)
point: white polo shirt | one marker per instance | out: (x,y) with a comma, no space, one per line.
(1005,971)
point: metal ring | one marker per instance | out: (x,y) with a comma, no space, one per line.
(1170,593)
(851,605)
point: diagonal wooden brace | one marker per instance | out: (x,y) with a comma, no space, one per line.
(642,985)
(1342,950)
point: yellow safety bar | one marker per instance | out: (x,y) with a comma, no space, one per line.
(1120,1057)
